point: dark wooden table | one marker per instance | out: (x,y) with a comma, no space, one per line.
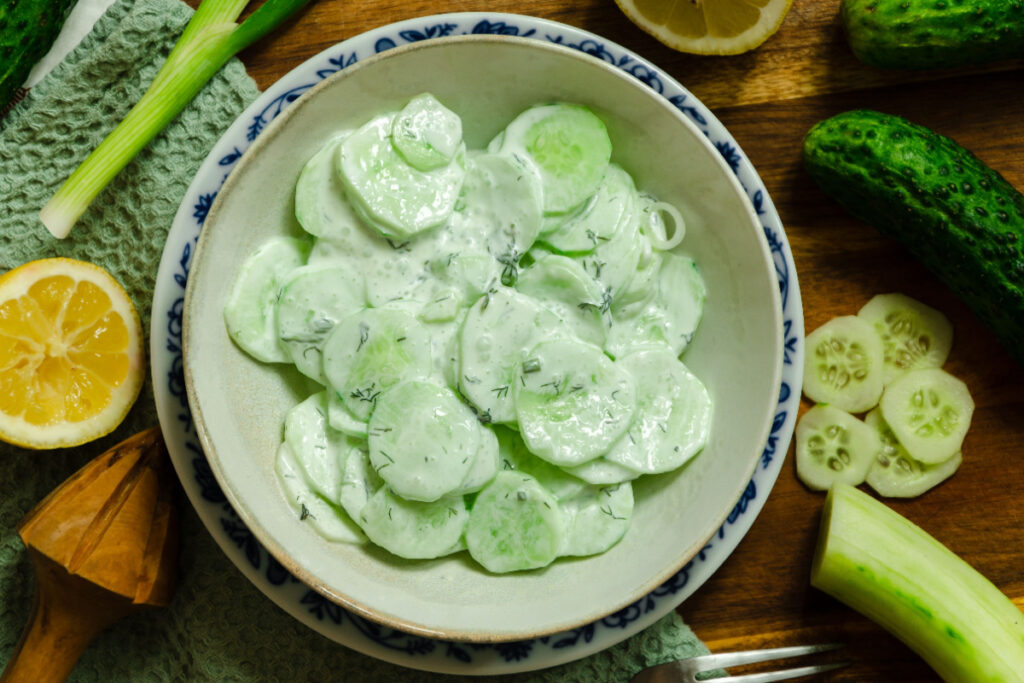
(768,99)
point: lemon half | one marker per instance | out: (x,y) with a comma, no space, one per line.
(71,353)
(708,27)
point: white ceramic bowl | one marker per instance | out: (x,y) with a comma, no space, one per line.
(238,404)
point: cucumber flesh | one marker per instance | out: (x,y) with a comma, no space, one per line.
(929,411)
(601,218)
(602,472)
(320,204)
(893,572)
(426,133)
(598,518)
(326,518)
(895,474)
(515,524)
(833,446)
(411,529)
(563,286)
(843,364)
(514,455)
(319,450)
(913,334)
(359,482)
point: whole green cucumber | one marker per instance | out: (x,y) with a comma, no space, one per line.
(27,31)
(954,213)
(922,34)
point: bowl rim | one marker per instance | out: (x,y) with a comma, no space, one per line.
(244,511)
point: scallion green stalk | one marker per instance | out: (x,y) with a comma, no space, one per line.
(207,43)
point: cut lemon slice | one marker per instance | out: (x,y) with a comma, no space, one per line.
(708,27)
(71,356)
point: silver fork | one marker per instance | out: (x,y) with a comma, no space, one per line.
(686,670)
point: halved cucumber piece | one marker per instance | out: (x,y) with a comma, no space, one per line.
(312,301)
(895,474)
(320,203)
(572,401)
(495,336)
(913,334)
(319,450)
(372,350)
(515,524)
(327,519)
(359,481)
(843,364)
(426,133)
(602,217)
(833,446)
(570,146)
(673,415)
(423,440)
(929,411)
(394,197)
(602,472)
(598,518)
(411,529)
(562,285)
(515,456)
(249,313)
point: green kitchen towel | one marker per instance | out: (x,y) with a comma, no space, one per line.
(219,627)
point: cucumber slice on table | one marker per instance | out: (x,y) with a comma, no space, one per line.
(394,197)
(311,302)
(598,518)
(495,335)
(515,524)
(929,411)
(411,529)
(426,133)
(250,314)
(327,519)
(570,146)
(895,474)
(572,401)
(318,449)
(913,334)
(843,364)
(372,350)
(423,440)
(673,415)
(833,446)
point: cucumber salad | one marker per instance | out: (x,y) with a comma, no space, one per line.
(885,362)
(493,338)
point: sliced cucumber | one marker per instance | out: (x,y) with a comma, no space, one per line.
(598,518)
(602,472)
(615,263)
(601,218)
(412,529)
(562,285)
(391,195)
(426,133)
(359,482)
(515,524)
(372,350)
(319,450)
(423,440)
(913,334)
(340,418)
(929,411)
(895,474)
(312,301)
(833,446)
(572,401)
(570,146)
(843,364)
(250,314)
(673,415)
(485,464)
(320,204)
(515,456)
(328,520)
(495,336)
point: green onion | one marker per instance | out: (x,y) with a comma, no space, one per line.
(889,569)
(209,40)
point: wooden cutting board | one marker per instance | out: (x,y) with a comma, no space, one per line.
(768,99)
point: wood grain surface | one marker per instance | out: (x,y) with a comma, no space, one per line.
(768,99)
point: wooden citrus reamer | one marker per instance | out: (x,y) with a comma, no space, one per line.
(103,545)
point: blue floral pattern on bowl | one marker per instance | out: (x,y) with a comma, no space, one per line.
(242,547)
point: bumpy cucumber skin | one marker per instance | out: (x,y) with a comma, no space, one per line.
(955,214)
(922,34)
(27,30)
